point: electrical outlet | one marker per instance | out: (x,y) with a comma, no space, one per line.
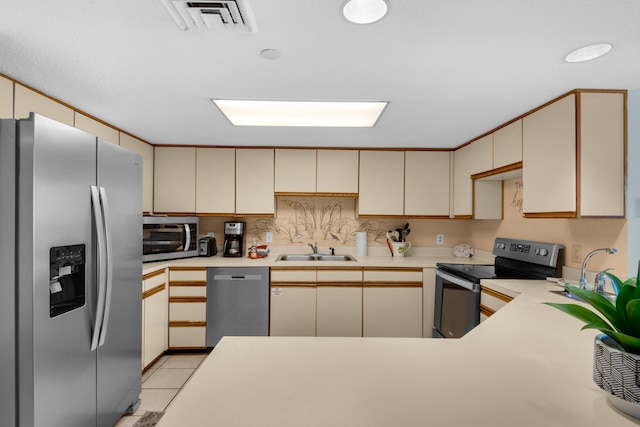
(576,253)
(269,236)
(440,239)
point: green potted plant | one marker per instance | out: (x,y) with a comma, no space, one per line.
(617,350)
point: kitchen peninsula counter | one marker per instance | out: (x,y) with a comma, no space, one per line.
(527,365)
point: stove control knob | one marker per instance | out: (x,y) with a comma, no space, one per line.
(544,252)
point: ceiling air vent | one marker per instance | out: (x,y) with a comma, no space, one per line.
(211,15)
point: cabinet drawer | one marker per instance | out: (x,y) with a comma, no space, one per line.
(187,336)
(188,311)
(188,291)
(186,275)
(339,276)
(153,280)
(493,300)
(293,276)
(403,275)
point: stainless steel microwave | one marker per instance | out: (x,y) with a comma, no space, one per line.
(169,237)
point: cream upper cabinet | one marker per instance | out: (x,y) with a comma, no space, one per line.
(507,145)
(146,151)
(295,171)
(481,155)
(462,182)
(215,177)
(27,100)
(381,183)
(602,154)
(337,171)
(549,159)
(175,180)
(96,128)
(427,183)
(6,98)
(254,181)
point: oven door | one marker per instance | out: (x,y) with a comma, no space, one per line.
(457,306)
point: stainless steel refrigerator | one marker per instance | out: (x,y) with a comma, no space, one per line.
(70,271)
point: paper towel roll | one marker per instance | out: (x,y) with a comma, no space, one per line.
(361,243)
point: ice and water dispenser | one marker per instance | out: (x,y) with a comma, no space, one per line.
(66,278)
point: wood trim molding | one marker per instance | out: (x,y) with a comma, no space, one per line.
(497,171)
(550,215)
(187,268)
(189,299)
(369,284)
(154,290)
(486,310)
(292,268)
(339,268)
(393,269)
(186,324)
(315,194)
(153,274)
(496,294)
(293,285)
(339,284)
(187,283)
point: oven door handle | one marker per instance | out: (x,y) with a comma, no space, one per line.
(474,287)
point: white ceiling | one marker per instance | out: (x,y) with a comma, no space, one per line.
(451,69)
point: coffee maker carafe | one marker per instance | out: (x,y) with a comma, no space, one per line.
(233,239)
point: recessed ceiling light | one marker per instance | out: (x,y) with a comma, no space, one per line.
(587,53)
(300,113)
(364,11)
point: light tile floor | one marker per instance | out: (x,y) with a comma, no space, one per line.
(162,382)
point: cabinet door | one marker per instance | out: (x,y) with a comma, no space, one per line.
(6,98)
(339,311)
(507,145)
(602,154)
(381,183)
(174,189)
(146,151)
(293,310)
(295,171)
(27,100)
(392,311)
(549,160)
(337,171)
(215,180)
(254,181)
(481,155)
(155,326)
(426,183)
(462,183)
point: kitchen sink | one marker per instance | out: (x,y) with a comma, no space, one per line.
(315,257)
(565,293)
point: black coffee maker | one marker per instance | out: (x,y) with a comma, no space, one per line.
(233,239)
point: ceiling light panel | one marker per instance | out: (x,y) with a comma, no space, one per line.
(587,53)
(300,113)
(364,11)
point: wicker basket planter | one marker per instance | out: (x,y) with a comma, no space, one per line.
(618,373)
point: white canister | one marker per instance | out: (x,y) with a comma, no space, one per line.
(361,243)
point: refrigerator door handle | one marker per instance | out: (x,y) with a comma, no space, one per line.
(97,215)
(109,246)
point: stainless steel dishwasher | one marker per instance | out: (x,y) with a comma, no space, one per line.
(237,302)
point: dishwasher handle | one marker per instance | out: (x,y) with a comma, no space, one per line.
(237,277)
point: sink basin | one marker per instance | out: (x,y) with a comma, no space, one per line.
(315,257)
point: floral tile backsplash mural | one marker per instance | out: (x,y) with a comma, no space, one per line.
(317,219)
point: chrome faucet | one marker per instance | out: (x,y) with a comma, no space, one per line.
(315,248)
(583,276)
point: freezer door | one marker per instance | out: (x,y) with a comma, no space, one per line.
(56,368)
(8,276)
(120,353)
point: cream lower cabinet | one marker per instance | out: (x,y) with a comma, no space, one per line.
(339,303)
(187,307)
(154,316)
(392,303)
(428,301)
(293,302)
(491,301)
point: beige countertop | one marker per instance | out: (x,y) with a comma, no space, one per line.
(527,365)
(418,258)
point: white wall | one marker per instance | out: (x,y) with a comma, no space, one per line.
(633,179)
